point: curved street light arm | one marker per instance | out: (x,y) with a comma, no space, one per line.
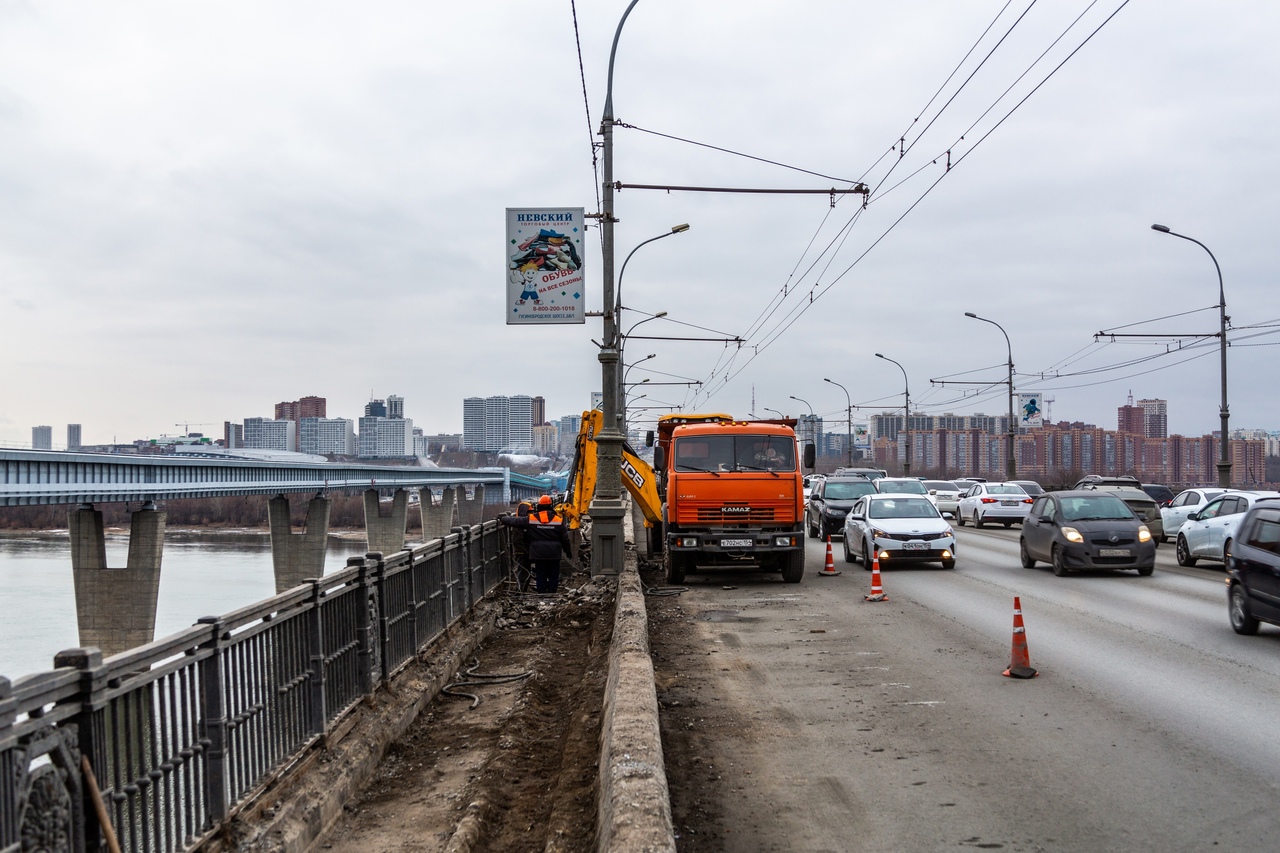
(849,420)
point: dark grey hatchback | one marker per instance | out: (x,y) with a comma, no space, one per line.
(1085,529)
(1253,568)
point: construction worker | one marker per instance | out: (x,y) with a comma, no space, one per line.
(545,538)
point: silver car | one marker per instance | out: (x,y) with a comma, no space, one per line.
(946,495)
(1187,502)
(1207,534)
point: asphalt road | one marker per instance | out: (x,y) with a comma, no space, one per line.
(837,724)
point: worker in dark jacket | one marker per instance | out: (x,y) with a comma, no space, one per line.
(545,538)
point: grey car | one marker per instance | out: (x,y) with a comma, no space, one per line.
(1085,529)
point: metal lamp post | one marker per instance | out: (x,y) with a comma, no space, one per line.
(622,399)
(606,508)
(1010,460)
(906,410)
(775,411)
(1224,459)
(849,419)
(810,429)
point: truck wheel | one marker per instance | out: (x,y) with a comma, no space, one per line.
(657,539)
(793,566)
(675,567)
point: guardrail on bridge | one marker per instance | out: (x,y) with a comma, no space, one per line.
(182,730)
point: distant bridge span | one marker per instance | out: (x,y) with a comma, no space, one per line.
(41,477)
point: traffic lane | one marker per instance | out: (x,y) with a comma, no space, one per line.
(1184,606)
(897,709)
(1162,645)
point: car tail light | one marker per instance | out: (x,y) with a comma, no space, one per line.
(990,501)
(1028,501)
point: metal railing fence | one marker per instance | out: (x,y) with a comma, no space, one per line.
(180,732)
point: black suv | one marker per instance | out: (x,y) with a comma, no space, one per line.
(1253,568)
(829,503)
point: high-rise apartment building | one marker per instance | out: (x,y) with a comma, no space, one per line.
(232,435)
(570,426)
(500,423)
(325,436)
(385,438)
(473,420)
(539,410)
(1155,418)
(73,436)
(544,439)
(395,406)
(497,423)
(42,438)
(375,409)
(296,410)
(520,423)
(270,434)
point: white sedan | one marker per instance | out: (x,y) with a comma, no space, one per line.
(987,503)
(1191,500)
(898,528)
(946,495)
(1207,534)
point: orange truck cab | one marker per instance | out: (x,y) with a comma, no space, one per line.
(732,494)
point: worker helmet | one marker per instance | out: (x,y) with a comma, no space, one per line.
(545,500)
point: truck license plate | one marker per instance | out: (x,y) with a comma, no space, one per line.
(1114,552)
(735,543)
(915,546)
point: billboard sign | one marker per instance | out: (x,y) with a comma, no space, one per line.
(1031,413)
(545,279)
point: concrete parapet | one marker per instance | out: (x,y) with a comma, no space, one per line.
(386,533)
(297,556)
(116,608)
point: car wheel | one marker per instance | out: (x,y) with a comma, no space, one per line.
(1145,571)
(1059,564)
(1183,554)
(848,555)
(977,520)
(1027,562)
(1226,552)
(1008,524)
(866,558)
(959,518)
(813,530)
(1242,621)
(948,564)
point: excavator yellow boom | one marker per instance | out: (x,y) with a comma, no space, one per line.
(638,476)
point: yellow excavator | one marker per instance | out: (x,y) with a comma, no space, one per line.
(637,475)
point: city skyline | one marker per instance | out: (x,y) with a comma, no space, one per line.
(179,231)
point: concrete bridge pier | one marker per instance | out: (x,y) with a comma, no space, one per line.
(296,557)
(386,533)
(471,511)
(116,608)
(437,521)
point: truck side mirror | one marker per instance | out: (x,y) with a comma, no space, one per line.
(810,455)
(648,439)
(659,457)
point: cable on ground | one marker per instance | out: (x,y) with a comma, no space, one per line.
(480,679)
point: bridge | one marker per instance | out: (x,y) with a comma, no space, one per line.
(116,607)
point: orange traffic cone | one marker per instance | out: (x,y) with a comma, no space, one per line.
(829,570)
(1020,662)
(877,594)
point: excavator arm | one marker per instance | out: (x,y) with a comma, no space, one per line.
(638,476)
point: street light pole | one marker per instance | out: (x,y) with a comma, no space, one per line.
(906,409)
(810,429)
(606,509)
(1224,458)
(775,411)
(848,443)
(622,377)
(1010,456)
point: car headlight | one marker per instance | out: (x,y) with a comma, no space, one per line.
(1144,535)
(878,534)
(948,532)
(1072,535)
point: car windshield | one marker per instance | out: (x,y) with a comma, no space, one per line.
(903,508)
(1032,489)
(1002,489)
(941,485)
(849,491)
(901,487)
(1094,507)
(716,453)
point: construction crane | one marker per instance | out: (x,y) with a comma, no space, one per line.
(187,425)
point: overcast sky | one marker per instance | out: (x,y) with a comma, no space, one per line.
(209,208)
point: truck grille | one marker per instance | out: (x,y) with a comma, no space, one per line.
(715,515)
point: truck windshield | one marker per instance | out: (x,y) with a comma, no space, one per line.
(735,453)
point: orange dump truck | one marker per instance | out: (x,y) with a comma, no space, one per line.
(732,494)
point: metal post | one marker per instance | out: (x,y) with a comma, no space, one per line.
(906,410)
(848,443)
(622,374)
(606,508)
(1010,460)
(810,429)
(1224,458)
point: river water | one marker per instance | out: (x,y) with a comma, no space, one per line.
(202,574)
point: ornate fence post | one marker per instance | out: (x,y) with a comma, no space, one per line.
(382,627)
(315,657)
(88,740)
(214,712)
(366,619)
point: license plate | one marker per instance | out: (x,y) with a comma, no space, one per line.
(735,543)
(915,546)
(1114,552)
(1008,503)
